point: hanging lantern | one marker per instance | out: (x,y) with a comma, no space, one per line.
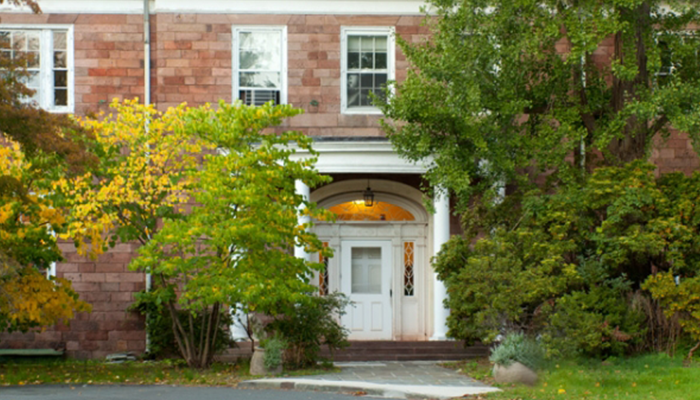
(368,196)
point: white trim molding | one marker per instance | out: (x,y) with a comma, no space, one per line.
(346,7)
(382,31)
(362,157)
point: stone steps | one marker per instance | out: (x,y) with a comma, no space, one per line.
(386,351)
(407,351)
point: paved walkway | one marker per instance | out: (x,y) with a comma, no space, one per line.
(394,379)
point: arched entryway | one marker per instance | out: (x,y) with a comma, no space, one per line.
(381,258)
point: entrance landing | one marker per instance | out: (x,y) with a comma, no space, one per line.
(393,379)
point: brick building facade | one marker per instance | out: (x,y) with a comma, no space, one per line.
(195,57)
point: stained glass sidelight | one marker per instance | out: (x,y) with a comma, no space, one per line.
(408,262)
(323,284)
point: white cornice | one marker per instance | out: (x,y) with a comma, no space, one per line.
(362,157)
(364,7)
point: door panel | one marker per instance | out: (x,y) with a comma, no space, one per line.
(366,279)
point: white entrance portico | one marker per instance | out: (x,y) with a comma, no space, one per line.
(382,253)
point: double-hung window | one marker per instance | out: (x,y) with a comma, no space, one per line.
(260,64)
(48,55)
(367,64)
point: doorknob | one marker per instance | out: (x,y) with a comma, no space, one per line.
(391,293)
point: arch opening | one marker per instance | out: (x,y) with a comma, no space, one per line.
(356,210)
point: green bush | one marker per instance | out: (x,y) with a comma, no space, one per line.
(159,327)
(312,325)
(570,265)
(274,351)
(516,347)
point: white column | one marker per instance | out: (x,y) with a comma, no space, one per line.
(441,234)
(302,189)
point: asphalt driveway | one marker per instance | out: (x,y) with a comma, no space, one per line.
(116,392)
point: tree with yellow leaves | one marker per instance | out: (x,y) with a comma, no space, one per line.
(27,247)
(143,175)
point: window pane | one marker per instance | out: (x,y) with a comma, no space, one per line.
(323,281)
(5,40)
(19,40)
(357,210)
(367,44)
(380,80)
(260,50)
(354,81)
(353,60)
(33,41)
(33,81)
(248,59)
(380,43)
(354,43)
(60,78)
(380,60)
(353,97)
(59,59)
(59,40)
(60,97)
(366,81)
(260,79)
(33,59)
(365,100)
(367,61)
(366,263)
(408,262)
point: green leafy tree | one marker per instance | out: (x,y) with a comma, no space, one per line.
(541,98)
(508,91)
(235,247)
(568,271)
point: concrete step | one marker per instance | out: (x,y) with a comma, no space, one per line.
(385,351)
(407,351)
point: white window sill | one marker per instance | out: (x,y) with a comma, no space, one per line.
(362,111)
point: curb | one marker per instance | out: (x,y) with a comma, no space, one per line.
(424,392)
(291,385)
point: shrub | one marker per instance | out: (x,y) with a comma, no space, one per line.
(516,347)
(312,325)
(274,350)
(159,327)
(569,265)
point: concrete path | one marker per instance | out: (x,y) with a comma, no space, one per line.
(393,379)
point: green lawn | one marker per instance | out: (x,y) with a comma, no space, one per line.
(167,372)
(646,377)
(97,372)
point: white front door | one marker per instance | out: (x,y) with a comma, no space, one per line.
(366,280)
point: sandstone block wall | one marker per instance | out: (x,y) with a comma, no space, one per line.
(191,59)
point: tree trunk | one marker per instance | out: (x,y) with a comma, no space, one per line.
(632,145)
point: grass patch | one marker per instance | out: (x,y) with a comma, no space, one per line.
(650,377)
(166,372)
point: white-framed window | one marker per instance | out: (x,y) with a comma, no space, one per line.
(367,59)
(260,64)
(49,53)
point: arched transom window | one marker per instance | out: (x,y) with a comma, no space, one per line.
(380,211)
